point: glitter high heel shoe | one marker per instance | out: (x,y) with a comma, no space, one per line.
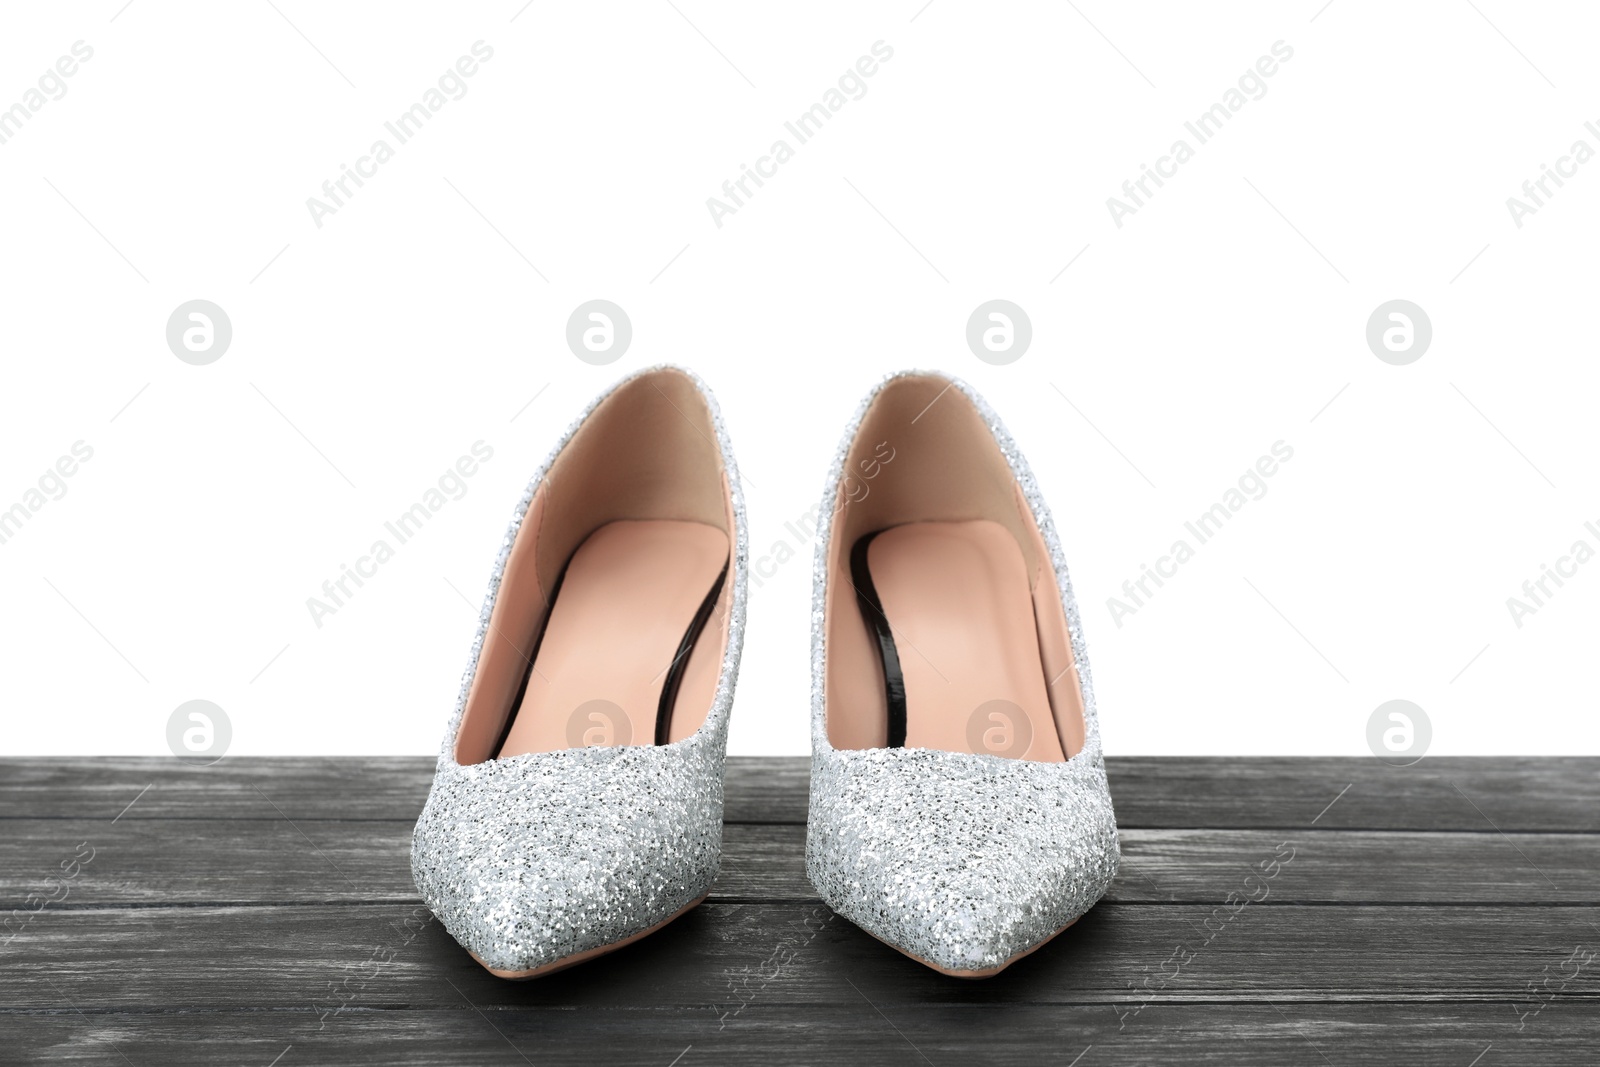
(959,809)
(577,803)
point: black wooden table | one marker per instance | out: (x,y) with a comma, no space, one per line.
(1269,911)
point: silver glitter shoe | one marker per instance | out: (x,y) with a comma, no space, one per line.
(577,803)
(959,809)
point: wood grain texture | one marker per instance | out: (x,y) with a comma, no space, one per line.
(277,861)
(1514,793)
(261,907)
(455,1034)
(282,958)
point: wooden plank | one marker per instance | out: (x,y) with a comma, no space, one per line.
(1514,793)
(383,787)
(453,1034)
(757,789)
(170,861)
(162,862)
(292,957)
(1522,794)
(1387,867)
(768,789)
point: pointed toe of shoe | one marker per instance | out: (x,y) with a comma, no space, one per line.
(964,862)
(540,861)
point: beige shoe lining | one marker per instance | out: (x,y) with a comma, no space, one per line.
(647,452)
(946,468)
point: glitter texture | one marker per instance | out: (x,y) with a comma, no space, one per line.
(535,858)
(963,861)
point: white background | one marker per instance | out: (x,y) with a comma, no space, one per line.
(1227,314)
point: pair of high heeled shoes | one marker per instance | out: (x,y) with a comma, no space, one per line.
(959,809)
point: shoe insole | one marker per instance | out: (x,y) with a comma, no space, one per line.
(953,601)
(627,610)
